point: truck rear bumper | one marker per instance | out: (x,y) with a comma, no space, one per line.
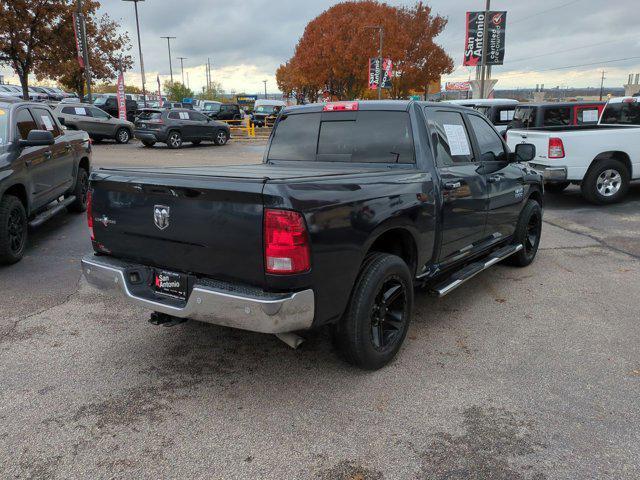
(211,302)
(551,174)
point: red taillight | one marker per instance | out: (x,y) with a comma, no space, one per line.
(286,242)
(556,148)
(89,214)
(340,106)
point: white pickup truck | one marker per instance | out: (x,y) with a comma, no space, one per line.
(602,158)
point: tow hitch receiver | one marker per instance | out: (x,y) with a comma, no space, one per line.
(158,318)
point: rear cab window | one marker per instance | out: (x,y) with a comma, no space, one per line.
(356,136)
(587,115)
(626,112)
(503,115)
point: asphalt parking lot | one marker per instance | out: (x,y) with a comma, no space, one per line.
(522,374)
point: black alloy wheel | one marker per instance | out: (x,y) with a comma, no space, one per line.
(388,314)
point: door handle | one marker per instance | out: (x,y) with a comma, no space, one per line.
(494,179)
(452,185)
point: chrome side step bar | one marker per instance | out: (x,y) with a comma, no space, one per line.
(51,211)
(471,270)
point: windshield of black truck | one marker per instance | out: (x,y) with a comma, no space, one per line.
(625,113)
(361,137)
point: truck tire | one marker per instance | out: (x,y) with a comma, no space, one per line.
(123,135)
(528,232)
(557,187)
(80,191)
(377,318)
(13,229)
(174,139)
(606,182)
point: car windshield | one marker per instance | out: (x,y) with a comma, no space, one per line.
(625,113)
(265,108)
(4,125)
(100,101)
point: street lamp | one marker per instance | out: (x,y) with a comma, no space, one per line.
(144,90)
(169,47)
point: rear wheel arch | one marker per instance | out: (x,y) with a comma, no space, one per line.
(84,164)
(397,241)
(536,194)
(619,155)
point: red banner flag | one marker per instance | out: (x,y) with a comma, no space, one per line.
(78,32)
(121,97)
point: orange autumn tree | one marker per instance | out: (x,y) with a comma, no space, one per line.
(334,51)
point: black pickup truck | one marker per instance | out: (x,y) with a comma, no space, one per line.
(44,169)
(355,203)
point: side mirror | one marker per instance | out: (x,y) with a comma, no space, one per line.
(61,120)
(37,138)
(525,152)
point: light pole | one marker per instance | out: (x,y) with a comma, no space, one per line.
(380,29)
(265,89)
(82,32)
(485,41)
(182,59)
(169,47)
(144,90)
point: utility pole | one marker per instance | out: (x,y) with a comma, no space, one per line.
(188,80)
(485,42)
(85,53)
(182,59)
(602,84)
(144,90)
(380,29)
(169,47)
(209,70)
(265,88)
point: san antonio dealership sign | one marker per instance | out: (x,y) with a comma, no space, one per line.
(475,38)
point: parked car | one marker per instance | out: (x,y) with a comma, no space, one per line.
(354,204)
(176,126)
(16,91)
(602,158)
(556,115)
(499,111)
(265,108)
(43,170)
(96,122)
(109,103)
(224,111)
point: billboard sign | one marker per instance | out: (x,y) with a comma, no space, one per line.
(457,86)
(246,100)
(475,38)
(380,75)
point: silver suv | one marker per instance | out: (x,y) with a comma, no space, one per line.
(96,122)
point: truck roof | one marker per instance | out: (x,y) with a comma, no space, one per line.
(371,105)
(561,104)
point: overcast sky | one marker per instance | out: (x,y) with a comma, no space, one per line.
(248,39)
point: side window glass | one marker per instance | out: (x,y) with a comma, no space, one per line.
(450,138)
(505,115)
(198,117)
(25,123)
(490,143)
(174,116)
(97,113)
(45,121)
(557,116)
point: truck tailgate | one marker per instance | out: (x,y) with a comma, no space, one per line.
(539,139)
(209,226)
(201,220)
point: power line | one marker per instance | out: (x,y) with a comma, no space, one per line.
(544,11)
(572,66)
(568,50)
